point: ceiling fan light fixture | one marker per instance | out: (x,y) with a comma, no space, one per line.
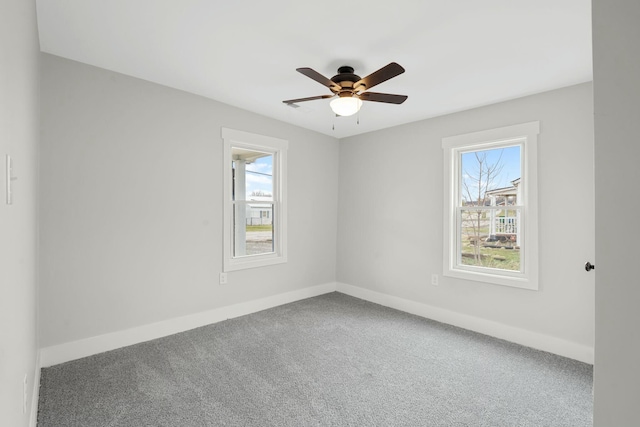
(351,89)
(346,105)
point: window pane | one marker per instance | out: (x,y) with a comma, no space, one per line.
(490,177)
(252,174)
(253,229)
(489,238)
(253,193)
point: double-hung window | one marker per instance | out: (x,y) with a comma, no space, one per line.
(255,208)
(490,219)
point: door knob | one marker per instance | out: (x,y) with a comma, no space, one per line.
(588,266)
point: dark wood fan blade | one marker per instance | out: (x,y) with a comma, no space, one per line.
(313,74)
(383,97)
(311,98)
(382,75)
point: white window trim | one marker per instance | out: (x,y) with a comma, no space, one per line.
(236,138)
(452,147)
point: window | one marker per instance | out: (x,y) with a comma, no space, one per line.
(255,209)
(490,219)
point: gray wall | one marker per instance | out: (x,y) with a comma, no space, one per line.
(131,177)
(18,223)
(390,215)
(616,35)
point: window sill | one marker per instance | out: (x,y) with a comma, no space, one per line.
(515,281)
(255,261)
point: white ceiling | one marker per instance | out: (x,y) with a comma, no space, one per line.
(458,54)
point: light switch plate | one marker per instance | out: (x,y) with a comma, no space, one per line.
(9,178)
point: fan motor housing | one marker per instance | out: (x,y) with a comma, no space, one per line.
(345,77)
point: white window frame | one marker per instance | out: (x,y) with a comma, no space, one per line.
(278,148)
(525,135)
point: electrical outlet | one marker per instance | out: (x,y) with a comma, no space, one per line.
(24,394)
(223,278)
(434,279)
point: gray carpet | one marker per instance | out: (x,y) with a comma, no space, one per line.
(331,360)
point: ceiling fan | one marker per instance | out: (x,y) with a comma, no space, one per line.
(351,89)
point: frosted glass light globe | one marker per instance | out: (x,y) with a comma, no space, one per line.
(346,106)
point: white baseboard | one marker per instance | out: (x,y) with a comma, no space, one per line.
(66,352)
(524,337)
(35,394)
(89,346)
